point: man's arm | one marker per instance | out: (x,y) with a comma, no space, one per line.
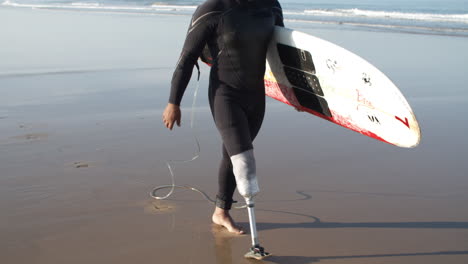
(201,27)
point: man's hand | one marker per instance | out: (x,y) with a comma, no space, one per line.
(171,115)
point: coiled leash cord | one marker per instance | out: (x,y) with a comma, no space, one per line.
(170,163)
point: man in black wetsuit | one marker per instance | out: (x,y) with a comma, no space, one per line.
(237,33)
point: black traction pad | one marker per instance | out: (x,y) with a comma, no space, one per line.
(312,101)
(299,68)
(303,80)
(296,58)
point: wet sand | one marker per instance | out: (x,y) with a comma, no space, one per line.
(82,145)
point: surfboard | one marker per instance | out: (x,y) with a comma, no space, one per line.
(328,81)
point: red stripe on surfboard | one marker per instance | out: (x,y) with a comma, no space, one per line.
(285,95)
(406,122)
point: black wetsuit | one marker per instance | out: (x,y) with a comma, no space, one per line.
(237,33)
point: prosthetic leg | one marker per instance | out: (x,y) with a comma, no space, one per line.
(247,185)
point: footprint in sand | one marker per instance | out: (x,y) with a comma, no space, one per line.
(158,207)
(32,136)
(80,164)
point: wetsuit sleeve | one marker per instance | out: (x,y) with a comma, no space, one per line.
(278,12)
(201,27)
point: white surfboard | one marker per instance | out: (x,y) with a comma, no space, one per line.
(328,81)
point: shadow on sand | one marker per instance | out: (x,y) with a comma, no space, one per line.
(223,243)
(307,260)
(317,223)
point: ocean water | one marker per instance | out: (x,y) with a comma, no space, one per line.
(448,17)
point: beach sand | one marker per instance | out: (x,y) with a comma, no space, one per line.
(82,145)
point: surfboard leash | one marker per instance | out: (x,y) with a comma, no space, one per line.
(170,163)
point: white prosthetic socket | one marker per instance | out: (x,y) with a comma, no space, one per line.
(247,184)
(245,172)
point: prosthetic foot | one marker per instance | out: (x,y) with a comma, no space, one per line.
(257,253)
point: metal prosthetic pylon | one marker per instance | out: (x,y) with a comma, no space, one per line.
(256,251)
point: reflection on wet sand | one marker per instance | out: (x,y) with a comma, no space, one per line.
(222,244)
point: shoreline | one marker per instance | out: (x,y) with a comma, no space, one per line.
(412,20)
(336,25)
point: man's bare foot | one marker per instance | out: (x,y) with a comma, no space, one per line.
(223,218)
